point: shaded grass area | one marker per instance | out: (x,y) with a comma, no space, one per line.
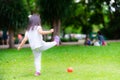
(88,63)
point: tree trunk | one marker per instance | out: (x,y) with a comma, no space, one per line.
(56,25)
(11,38)
(63,33)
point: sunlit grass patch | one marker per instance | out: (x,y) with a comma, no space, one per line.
(88,63)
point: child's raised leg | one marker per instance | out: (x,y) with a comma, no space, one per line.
(48,45)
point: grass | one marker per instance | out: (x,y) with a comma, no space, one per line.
(88,63)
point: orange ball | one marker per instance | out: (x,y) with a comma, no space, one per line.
(70,69)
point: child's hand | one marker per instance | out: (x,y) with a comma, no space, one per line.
(52,30)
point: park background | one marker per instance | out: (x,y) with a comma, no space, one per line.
(78,17)
(67,17)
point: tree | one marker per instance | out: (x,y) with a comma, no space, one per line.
(31,5)
(112,30)
(53,11)
(99,13)
(80,17)
(13,16)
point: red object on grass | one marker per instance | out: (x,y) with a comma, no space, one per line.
(70,69)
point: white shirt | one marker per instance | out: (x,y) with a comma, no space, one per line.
(34,37)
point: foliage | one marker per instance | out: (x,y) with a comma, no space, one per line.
(87,13)
(53,12)
(112,28)
(80,17)
(83,15)
(31,5)
(53,9)
(13,14)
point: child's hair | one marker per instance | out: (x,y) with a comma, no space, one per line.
(34,20)
(99,33)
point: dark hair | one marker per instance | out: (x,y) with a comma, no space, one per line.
(99,33)
(34,20)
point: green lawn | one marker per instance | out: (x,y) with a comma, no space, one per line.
(88,63)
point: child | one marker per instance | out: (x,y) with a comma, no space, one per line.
(5,37)
(20,37)
(34,36)
(101,39)
(87,41)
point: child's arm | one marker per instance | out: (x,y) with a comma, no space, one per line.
(45,32)
(22,43)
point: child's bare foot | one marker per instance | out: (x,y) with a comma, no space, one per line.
(37,73)
(57,40)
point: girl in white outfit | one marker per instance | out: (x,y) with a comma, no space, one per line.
(34,36)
